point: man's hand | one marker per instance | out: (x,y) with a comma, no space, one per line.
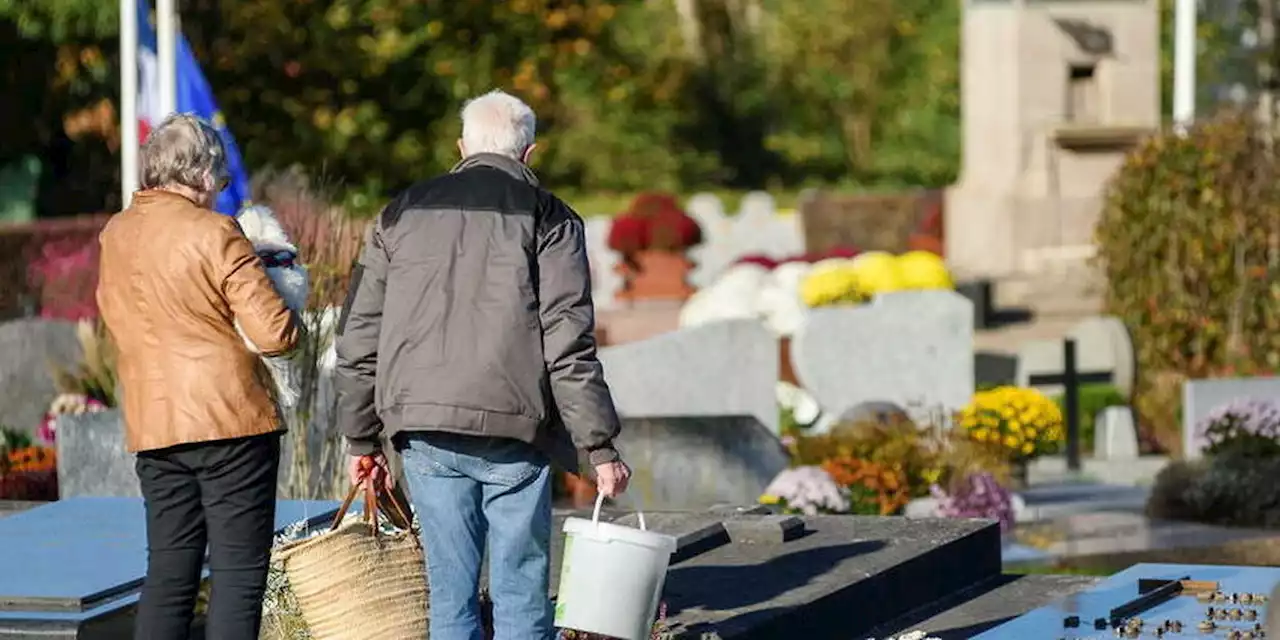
(371,468)
(612,478)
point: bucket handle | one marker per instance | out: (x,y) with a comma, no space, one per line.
(595,514)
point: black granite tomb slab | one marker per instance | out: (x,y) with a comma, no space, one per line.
(844,576)
(979,608)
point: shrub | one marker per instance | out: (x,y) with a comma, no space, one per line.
(1245,428)
(1020,422)
(1093,399)
(1238,492)
(1225,489)
(1172,489)
(50,268)
(1186,245)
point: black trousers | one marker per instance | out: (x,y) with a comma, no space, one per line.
(220,495)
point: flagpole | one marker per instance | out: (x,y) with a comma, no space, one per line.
(167,53)
(128,100)
(1184,63)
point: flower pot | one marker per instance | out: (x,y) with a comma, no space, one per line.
(654,275)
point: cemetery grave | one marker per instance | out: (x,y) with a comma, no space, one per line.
(74,567)
(1202,397)
(1156,601)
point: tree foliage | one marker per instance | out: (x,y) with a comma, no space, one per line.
(667,94)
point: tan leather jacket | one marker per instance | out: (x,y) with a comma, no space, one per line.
(173,279)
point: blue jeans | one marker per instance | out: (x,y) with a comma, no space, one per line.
(468,491)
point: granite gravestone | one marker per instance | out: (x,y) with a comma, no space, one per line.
(1103,345)
(1201,397)
(31,348)
(92,460)
(697,463)
(913,349)
(725,368)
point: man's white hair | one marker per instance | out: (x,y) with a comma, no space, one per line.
(498,122)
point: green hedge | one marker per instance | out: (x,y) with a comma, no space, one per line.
(1188,244)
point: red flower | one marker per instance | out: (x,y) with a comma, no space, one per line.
(758,259)
(841,251)
(628,234)
(654,221)
(672,230)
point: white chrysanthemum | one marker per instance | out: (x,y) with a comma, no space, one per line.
(734,295)
(804,409)
(789,275)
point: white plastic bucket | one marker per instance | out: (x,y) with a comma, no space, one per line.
(611,577)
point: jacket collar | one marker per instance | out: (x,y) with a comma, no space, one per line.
(160,195)
(514,168)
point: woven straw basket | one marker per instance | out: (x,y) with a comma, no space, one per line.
(355,583)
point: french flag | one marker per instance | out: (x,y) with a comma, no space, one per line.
(193,96)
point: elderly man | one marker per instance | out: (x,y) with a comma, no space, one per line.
(175,276)
(468,339)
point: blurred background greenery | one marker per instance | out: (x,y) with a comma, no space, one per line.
(680,95)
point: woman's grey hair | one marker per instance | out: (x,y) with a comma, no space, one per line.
(500,123)
(184,150)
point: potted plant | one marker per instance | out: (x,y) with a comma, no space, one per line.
(652,237)
(1019,422)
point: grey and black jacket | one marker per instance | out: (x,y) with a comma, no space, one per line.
(470,312)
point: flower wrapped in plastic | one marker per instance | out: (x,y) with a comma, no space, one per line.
(808,490)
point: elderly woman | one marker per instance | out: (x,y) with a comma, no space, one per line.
(174,279)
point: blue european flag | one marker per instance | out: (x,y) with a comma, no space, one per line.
(196,97)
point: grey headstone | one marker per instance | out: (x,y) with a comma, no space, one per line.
(698,463)
(994,369)
(30,348)
(1115,437)
(1103,344)
(720,369)
(877,412)
(913,349)
(92,460)
(1201,397)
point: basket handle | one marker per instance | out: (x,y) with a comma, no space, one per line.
(595,513)
(370,507)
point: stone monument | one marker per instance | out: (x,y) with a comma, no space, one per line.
(1053,93)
